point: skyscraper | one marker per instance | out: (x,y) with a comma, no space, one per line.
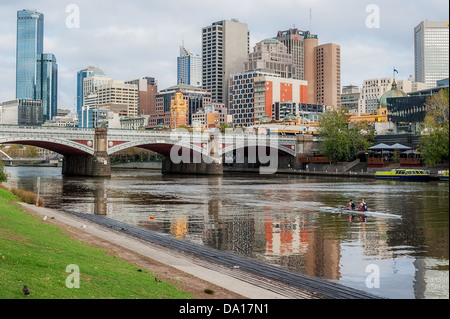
(189,68)
(431,46)
(81,75)
(294,40)
(30,43)
(47,84)
(328,75)
(36,72)
(225,48)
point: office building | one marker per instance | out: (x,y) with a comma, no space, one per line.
(252,95)
(36,72)
(373,89)
(148,89)
(47,84)
(225,48)
(327,84)
(189,68)
(30,43)
(81,75)
(431,46)
(212,115)
(270,55)
(294,40)
(350,97)
(21,112)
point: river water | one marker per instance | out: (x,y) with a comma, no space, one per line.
(289,221)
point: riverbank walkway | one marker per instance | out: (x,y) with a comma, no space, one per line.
(249,278)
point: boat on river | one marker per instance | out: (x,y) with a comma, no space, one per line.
(444,176)
(404,174)
(343,210)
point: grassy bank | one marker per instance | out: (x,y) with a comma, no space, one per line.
(36,254)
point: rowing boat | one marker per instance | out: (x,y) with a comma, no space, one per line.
(344,210)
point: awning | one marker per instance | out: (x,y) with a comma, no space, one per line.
(400,147)
(380,146)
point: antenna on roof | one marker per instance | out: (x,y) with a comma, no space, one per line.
(310,19)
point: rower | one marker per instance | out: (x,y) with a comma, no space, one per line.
(362,206)
(350,205)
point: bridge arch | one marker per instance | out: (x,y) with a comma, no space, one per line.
(58,145)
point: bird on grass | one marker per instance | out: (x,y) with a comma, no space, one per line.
(45,218)
(25,290)
(157,280)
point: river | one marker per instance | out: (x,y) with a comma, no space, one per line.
(290,221)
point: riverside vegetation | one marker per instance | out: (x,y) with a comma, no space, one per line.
(35,254)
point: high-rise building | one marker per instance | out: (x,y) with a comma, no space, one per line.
(431,46)
(252,95)
(270,55)
(47,84)
(294,40)
(189,68)
(225,48)
(327,84)
(36,72)
(81,75)
(30,43)
(148,89)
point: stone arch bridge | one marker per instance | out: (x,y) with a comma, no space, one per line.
(86,151)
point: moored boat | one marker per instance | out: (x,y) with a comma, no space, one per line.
(404,174)
(443,176)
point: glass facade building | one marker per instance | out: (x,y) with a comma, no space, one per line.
(47,84)
(81,75)
(189,68)
(30,40)
(431,47)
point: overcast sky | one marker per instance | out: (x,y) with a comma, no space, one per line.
(137,38)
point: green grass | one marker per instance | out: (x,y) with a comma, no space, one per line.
(36,254)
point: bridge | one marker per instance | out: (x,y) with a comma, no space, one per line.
(86,151)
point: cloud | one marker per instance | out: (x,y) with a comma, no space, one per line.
(131,39)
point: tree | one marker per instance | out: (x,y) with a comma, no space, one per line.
(434,141)
(3,174)
(342,140)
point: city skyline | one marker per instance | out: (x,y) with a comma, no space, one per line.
(144,40)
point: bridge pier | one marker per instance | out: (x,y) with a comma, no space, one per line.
(97,165)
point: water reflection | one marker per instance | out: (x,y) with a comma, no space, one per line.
(282,220)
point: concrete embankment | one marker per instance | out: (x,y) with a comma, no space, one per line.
(249,278)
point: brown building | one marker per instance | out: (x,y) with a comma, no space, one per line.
(310,43)
(319,65)
(327,84)
(148,89)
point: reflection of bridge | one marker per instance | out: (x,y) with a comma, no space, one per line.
(86,151)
